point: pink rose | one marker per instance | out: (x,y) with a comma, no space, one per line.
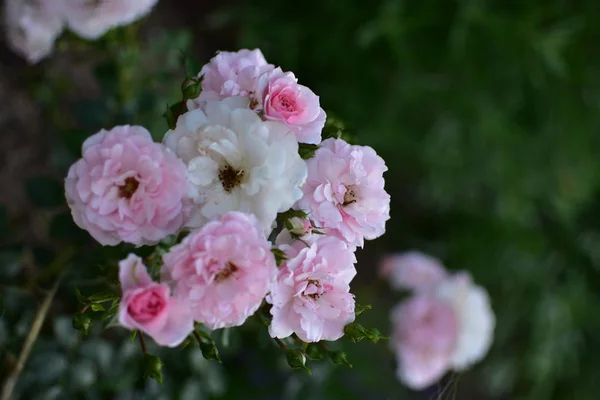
(127,188)
(223,270)
(147,306)
(284,100)
(344,191)
(424,338)
(412,270)
(230,74)
(311,296)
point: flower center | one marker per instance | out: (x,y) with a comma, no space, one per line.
(128,188)
(230,177)
(313,289)
(226,272)
(350,196)
(286,103)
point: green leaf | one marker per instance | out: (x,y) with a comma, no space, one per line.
(97,307)
(80,298)
(102,297)
(306,150)
(297,359)
(153,367)
(291,213)
(209,350)
(334,128)
(339,357)
(132,336)
(374,335)
(359,309)
(82,323)
(280,256)
(172,113)
(355,332)
(314,352)
(45,192)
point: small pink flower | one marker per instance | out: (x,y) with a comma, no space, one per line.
(424,339)
(412,270)
(127,188)
(344,192)
(147,306)
(446,326)
(284,100)
(230,74)
(312,294)
(223,270)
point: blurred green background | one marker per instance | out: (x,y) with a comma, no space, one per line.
(487,113)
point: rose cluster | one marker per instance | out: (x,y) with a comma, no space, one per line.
(229,174)
(446,324)
(32,26)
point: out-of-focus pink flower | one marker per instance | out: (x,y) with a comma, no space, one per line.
(282,99)
(230,74)
(344,192)
(311,296)
(476,319)
(223,270)
(91,19)
(448,326)
(127,188)
(412,270)
(147,305)
(33,26)
(424,338)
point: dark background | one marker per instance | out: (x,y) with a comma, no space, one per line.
(487,113)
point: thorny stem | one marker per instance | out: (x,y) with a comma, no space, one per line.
(323,346)
(84,308)
(142,341)
(38,321)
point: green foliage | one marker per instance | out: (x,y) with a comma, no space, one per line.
(45,192)
(306,150)
(153,367)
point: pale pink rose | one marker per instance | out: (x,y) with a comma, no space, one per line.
(447,326)
(412,270)
(33,26)
(424,338)
(223,270)
(230,74)
(344,191)
(476,319)
(91,19)
(147,305)
(311,296)
(127,188)
(282,99)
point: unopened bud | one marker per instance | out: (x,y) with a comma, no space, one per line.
(191,89)
(82,323)
(299,226)
(153,367)
(296,359)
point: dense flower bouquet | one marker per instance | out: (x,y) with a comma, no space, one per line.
(253,204)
